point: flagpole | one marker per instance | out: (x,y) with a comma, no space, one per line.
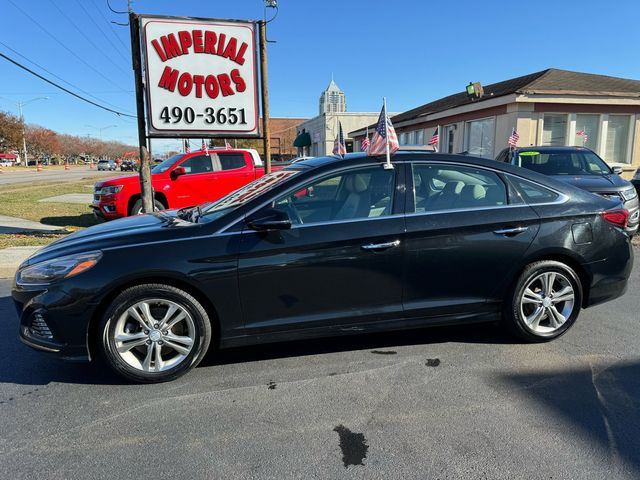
(388,165)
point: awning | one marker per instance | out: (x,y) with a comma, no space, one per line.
(302,140)
(8,156)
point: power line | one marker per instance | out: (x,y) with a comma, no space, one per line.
(100,29)
(87,38)
(120,114)
(62,79)
(113,30)
(63,45)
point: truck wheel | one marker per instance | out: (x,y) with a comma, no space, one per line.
(137,207)
(154,333)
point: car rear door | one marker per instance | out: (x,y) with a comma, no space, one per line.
(465,237)
(340,263)
(232,171)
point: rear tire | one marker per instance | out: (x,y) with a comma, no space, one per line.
(544,302)
(154,333)
(137,207)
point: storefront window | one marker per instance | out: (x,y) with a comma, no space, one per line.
(479,137)
(419,137)
(590,124)
(554,130)
(617,139)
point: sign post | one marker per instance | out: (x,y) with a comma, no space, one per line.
(266,130)
(146,191)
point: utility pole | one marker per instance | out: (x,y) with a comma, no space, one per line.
(146,189)
(266,131)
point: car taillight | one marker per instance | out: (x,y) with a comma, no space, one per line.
(618,217)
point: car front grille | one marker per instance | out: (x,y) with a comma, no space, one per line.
(39,327)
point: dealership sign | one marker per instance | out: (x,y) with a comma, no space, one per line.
(201,77)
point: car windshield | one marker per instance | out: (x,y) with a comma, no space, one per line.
(166,165)
(563,162)
(217,209)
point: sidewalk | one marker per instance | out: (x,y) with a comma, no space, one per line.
(20,225)
(12,257)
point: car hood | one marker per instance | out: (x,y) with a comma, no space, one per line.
(124,180)
(116,234)
(595,183)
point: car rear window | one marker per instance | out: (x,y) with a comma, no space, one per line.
(563,162)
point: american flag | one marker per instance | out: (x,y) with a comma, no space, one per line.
(583,134)
(187,147)
(378,144)
(435,138)
(227,145)
(204,148)
(339,148)
(513,139)
(365,143)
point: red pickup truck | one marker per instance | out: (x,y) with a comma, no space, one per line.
(183,180)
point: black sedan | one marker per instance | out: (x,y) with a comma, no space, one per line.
(327,246)
(581,167)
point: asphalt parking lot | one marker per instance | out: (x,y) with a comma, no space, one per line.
(442,403)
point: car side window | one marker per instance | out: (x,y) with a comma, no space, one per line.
(533,193)
(354,194)
(231,161)
(198,164)
(456,187)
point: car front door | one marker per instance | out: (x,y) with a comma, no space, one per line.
(340,262)
(189,189)
(464,240)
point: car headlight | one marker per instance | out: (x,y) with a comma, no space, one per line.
(109,190)
(629,194)
(58,268)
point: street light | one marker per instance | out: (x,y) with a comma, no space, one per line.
(100,129)
(21,104)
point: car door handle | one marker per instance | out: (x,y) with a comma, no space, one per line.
(380,246)
(511,231)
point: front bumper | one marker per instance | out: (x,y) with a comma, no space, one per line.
(107,207)
(53,321)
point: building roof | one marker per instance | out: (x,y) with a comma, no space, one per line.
(549,81)
(333,87)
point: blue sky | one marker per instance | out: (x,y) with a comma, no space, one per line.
(410,51)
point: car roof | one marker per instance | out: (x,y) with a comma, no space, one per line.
(332,162)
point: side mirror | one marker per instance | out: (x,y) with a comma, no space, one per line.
(270,219)
(178,171)
(617,170)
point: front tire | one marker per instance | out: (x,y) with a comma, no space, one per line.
(154,333)
(544,302)
(137,207)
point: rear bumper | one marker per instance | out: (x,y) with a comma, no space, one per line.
(609,277)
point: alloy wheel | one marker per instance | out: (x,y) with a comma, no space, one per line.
(154,335)
(547,301)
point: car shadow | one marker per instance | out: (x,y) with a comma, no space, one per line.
(22,365)
(83,220)
(484,333)
(601,400)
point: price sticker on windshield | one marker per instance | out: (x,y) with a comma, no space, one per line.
(201,77)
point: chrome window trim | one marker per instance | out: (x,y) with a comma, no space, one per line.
(223,230)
